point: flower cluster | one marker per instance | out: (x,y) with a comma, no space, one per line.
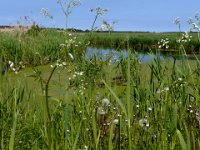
(163,43)
(177,21)
(165,89)
(185,38)
(195,23)
(69,42)
(59,63)
(179,82)
(46,13)
(16,67)
(99,11)
(67,8)
(76,80)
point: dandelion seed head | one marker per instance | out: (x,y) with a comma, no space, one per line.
(105,102)
(116,121)
(144,123)
(101,111)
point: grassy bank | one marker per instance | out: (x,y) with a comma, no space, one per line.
(146,41)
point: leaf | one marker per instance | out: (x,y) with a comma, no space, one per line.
(117,99)
(181,139)
(77,136)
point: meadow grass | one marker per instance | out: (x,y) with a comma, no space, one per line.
(155,106)
(74,103)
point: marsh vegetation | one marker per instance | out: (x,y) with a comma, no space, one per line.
(54,97)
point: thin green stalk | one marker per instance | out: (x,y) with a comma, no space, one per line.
(77,136)
(94,129)
(47,108)
(128,96)
(111,137)
(14,124)
(92,28)
(13,130)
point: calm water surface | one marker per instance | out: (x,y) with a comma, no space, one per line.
(104,54)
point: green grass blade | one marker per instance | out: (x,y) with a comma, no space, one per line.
(181,139)
(14,123)
(188,138)
(12,137)
(94,129)
(77,136)
(117,99)
(193,140)
(110,138)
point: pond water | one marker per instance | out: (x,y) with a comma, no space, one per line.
(104,54)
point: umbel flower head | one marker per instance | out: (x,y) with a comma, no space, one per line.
(163,43)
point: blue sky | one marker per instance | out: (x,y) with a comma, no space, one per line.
(132,15)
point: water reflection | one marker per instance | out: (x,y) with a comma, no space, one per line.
(114,55)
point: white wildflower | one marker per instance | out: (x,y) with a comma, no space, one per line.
(79,73)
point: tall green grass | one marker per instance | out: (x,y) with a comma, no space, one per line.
(103,105)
